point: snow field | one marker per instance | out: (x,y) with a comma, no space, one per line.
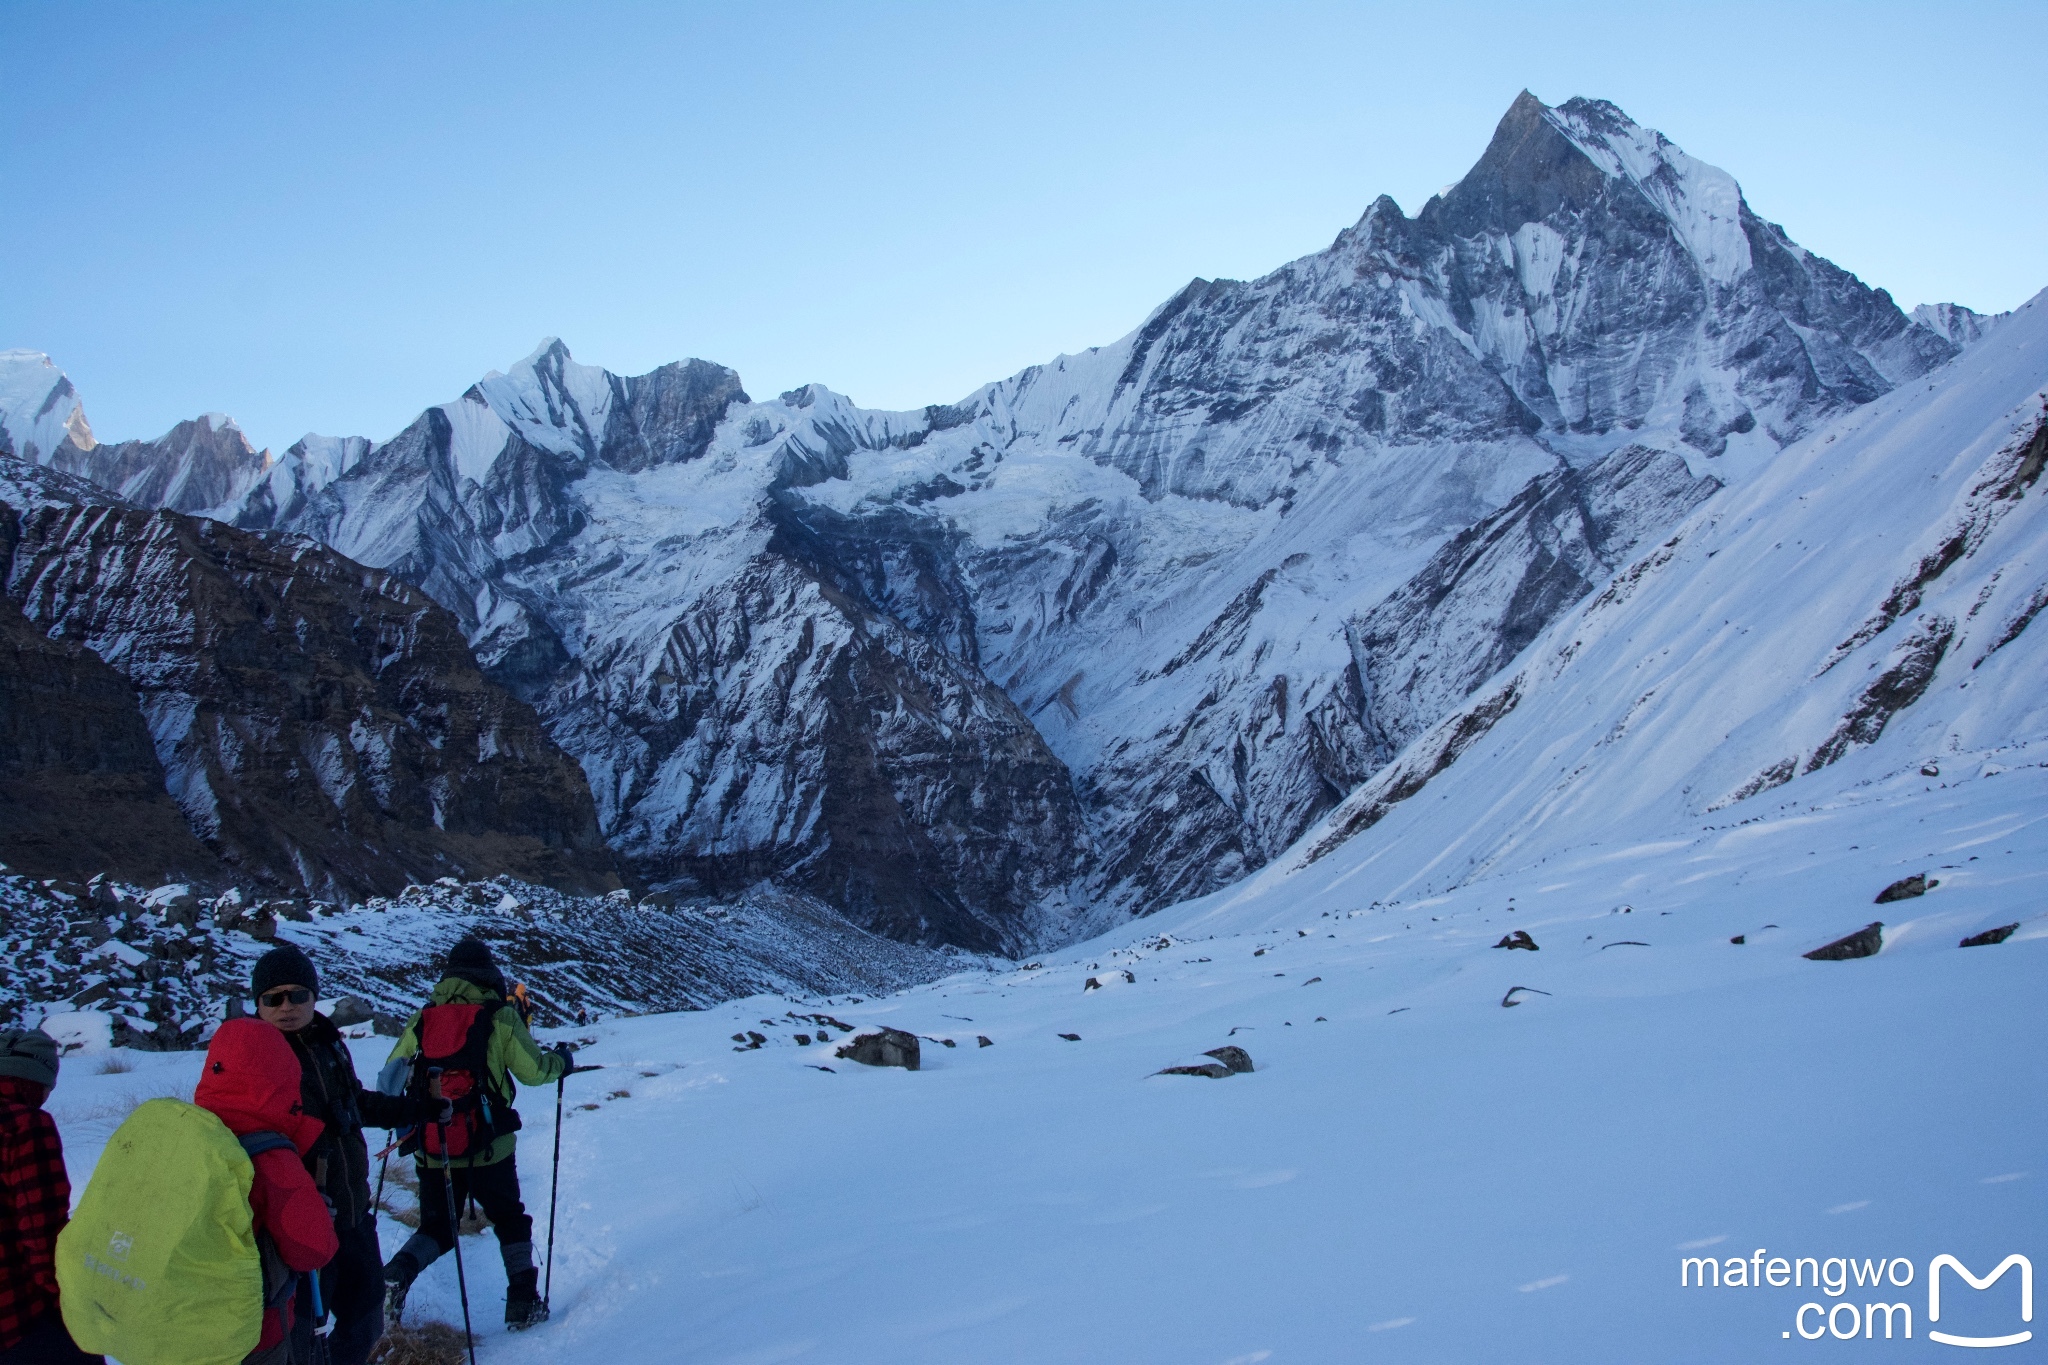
(1420,1175)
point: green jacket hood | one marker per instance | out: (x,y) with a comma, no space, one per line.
(455,990)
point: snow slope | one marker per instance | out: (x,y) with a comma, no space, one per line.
(1877,581)
(1413,1173)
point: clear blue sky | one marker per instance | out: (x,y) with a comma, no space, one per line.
(325,218)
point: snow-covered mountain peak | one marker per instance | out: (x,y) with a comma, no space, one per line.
(39,409)
(1963,326)
(1702,202)
(1545,162)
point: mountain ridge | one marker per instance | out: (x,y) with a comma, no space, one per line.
(1180,558)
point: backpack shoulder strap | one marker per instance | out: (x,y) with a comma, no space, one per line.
(480,1032)
(280,1281)
(256,1144)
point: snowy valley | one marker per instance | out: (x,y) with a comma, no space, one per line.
(1470,669)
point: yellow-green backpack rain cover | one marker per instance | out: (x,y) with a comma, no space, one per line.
(159,1266)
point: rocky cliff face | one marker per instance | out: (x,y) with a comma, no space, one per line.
(81,790)
(196,466)
(1497,584)
(321,726)
(1114,631)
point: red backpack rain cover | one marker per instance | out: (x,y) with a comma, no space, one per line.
(455,1039)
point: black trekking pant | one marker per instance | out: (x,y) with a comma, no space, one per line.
(47,1342)
(495,1188)
(352,1288)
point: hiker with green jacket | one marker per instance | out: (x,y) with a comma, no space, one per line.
(466,1048)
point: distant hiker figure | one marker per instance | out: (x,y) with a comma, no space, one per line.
(285,985)
(35,1203)
(466,1048)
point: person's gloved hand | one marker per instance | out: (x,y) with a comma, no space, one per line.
(332,1212)
(567,1054)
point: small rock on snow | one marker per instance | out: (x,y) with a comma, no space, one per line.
(884,1047)
(1905,888)
(1863,943)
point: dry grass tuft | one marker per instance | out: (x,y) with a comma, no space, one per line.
(116,1065)
(402,1201)
(426,1343)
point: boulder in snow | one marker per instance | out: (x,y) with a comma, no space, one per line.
(1990,936)
(1232,1056)
(1121,977)
(1863,943)
(1215,1071)
(883,1047)
(351,1010)
(1905,888)
(1518,939)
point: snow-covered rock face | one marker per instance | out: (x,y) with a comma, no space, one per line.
(39,409)
(1113,632)
(1963,326)
(1872,600)
(322,727)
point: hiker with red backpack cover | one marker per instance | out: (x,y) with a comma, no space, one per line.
(465,1049)
(35,1203)
(285,986)
(251,1083)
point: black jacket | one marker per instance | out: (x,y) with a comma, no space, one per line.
(330,1092)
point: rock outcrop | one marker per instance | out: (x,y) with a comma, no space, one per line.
(322,726)
(1865,942)
(81,790)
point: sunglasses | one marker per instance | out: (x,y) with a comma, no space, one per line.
(297,995)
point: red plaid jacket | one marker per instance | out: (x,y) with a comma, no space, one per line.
(35,1203)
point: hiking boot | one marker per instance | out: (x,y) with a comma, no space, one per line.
(523,1307)
(398,1278)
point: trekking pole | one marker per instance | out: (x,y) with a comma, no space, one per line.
(322,1328)
(555,1180)
(455,1231)
(554,1188)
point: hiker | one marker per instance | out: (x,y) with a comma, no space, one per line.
(35,1203)
(466,1047)
(285,985)
(252,1082)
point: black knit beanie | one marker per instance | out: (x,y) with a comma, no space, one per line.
(284,965)
(30,1054)
(470,959)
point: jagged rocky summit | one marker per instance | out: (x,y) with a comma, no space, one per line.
(1115,631)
